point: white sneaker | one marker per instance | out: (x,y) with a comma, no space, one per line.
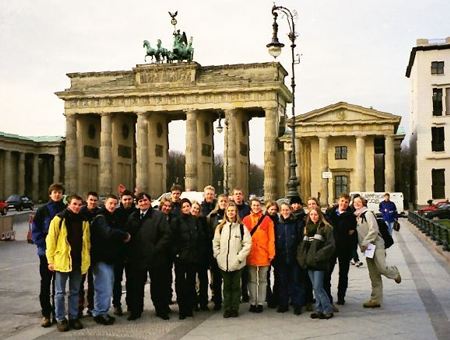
(353,262)
(359,264)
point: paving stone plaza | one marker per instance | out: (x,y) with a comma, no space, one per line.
(418,308)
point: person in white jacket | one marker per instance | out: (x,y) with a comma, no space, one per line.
(368,233)
(231,245)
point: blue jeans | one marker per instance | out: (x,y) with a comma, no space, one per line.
(60,287)
(103,287)
(390,226)
(323,304)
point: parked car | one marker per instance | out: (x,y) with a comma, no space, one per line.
(3,207)
(443,212)
(432,206)
(19,202)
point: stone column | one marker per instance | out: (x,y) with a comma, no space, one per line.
(323,166)
(190,181)
(360,177)
(141,152)
(9,185)
(270,150)
(71,161)
(35,178)
(56,168)
(230,127)
(21,174)
(389,164)
(105,154)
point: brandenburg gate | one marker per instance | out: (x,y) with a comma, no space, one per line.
(117,124)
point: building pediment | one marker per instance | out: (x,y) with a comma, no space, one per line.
(346,114)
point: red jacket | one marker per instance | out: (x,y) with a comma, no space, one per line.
(263,240)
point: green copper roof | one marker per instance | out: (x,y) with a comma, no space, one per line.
(37,139)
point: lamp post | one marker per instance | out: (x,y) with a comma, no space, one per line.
(274,48)
(219,129)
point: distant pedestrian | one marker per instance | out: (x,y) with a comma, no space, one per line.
(231,246)
(388,210)
(39,231)
(68,255)
(368,234)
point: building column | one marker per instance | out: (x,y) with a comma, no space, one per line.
(270,151)
(141,152)
(389,165)
(205,150)
(56,168)
(105,154)
(360,164)
(35,178)
(323,166)
(9,185)
(21,174)
(230,152)
(190,181)
(71,161)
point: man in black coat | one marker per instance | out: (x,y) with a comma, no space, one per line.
(123,213)
(343,220)
(148,253)
(106,238)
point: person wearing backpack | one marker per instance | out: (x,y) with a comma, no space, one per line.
(368,232)
(39,231)
(231,245)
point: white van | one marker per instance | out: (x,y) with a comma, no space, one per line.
(191,195)
(374,198)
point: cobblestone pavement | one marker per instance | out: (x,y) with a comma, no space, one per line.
(418,308)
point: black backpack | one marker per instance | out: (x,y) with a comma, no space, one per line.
(383,231)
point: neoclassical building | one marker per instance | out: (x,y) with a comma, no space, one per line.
(343,148)
(29,164)
(117,124)
(429,72)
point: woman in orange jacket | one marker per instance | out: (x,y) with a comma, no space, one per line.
(261,255)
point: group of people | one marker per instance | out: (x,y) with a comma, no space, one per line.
(237,243)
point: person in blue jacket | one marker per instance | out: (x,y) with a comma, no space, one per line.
(389,212)
(39,231)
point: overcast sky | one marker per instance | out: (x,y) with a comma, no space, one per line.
(351,50)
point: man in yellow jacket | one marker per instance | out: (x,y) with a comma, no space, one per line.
(68,255)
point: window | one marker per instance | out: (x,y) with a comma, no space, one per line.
(437,139)
(437,102)
(447,101)
(437,67)
(340,152)
(340,185)
(438,183)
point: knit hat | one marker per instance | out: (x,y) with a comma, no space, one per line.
(296,199)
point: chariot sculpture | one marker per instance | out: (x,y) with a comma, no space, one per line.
(182,49)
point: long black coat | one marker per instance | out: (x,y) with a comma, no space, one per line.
(106,238)
(342,225)
(188,240)
(150,239)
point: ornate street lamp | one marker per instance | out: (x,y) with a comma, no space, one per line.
(219,129)
(275,50)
